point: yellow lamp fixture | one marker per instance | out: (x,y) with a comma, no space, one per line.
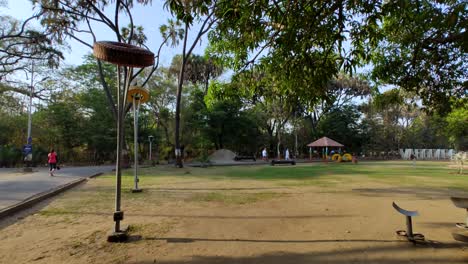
(138,93)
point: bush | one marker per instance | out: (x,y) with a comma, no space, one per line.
(10,156)
(39,156)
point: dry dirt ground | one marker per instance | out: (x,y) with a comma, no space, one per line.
(194,220)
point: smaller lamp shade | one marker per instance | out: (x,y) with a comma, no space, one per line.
(138,93)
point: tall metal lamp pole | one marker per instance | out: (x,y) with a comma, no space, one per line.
(125,56)
(139,95)
(28,147)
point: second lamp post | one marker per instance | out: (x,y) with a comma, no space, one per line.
(137,95)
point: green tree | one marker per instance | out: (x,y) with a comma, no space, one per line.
(98,131)
(342,124)
(163,88)
(65,19)
(340,91)
(303,42)
(422,47)
(457,125)
(187,12)
(20,44)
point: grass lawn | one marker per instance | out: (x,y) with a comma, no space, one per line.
(398,173)
(100,196)
(248,214)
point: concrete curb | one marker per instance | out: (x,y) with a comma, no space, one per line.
(95,175)
(29,202)
(32,200)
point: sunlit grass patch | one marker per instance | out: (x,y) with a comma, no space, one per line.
(231,198)
(428,173)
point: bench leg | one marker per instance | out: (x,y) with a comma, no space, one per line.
(466,218)
(409,228)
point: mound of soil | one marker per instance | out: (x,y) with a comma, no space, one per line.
(222,155)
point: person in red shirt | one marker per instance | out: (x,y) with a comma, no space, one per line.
(52,160)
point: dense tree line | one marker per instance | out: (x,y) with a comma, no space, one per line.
(244,114)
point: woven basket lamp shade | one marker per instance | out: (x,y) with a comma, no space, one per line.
(123,54)
(138,93)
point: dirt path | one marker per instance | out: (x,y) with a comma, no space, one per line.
(187,223)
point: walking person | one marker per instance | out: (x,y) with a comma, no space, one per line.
(264,155)
(52,160)
(286,154)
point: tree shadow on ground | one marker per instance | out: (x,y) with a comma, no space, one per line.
(438,225)
(392,252)
(246,217)
(424,193)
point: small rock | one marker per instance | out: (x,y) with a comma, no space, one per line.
(347,231)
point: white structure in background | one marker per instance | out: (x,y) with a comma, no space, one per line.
(460,159)
(422,154)
(440,154)
(450,153)
(427,154)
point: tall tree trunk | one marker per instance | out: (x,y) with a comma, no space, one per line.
(178,152)
(314,122)
(278,144)
(296,151)
(207,82)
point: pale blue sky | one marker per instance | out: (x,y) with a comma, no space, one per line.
(150,17)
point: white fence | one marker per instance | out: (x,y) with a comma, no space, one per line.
(429,154)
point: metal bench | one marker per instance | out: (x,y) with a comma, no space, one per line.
(237,158)
(460,237)
(461,202)
(408,233)
(274,162)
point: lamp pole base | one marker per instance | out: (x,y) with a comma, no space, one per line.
(118,237)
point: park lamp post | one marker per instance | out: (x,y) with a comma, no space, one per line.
(150,139)
(27,149)
(125,56)
(137,95)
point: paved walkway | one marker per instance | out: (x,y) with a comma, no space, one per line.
(16,186)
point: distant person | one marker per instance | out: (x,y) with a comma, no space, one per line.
(52,160)
(413,159)
(264,154)
(286,154)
